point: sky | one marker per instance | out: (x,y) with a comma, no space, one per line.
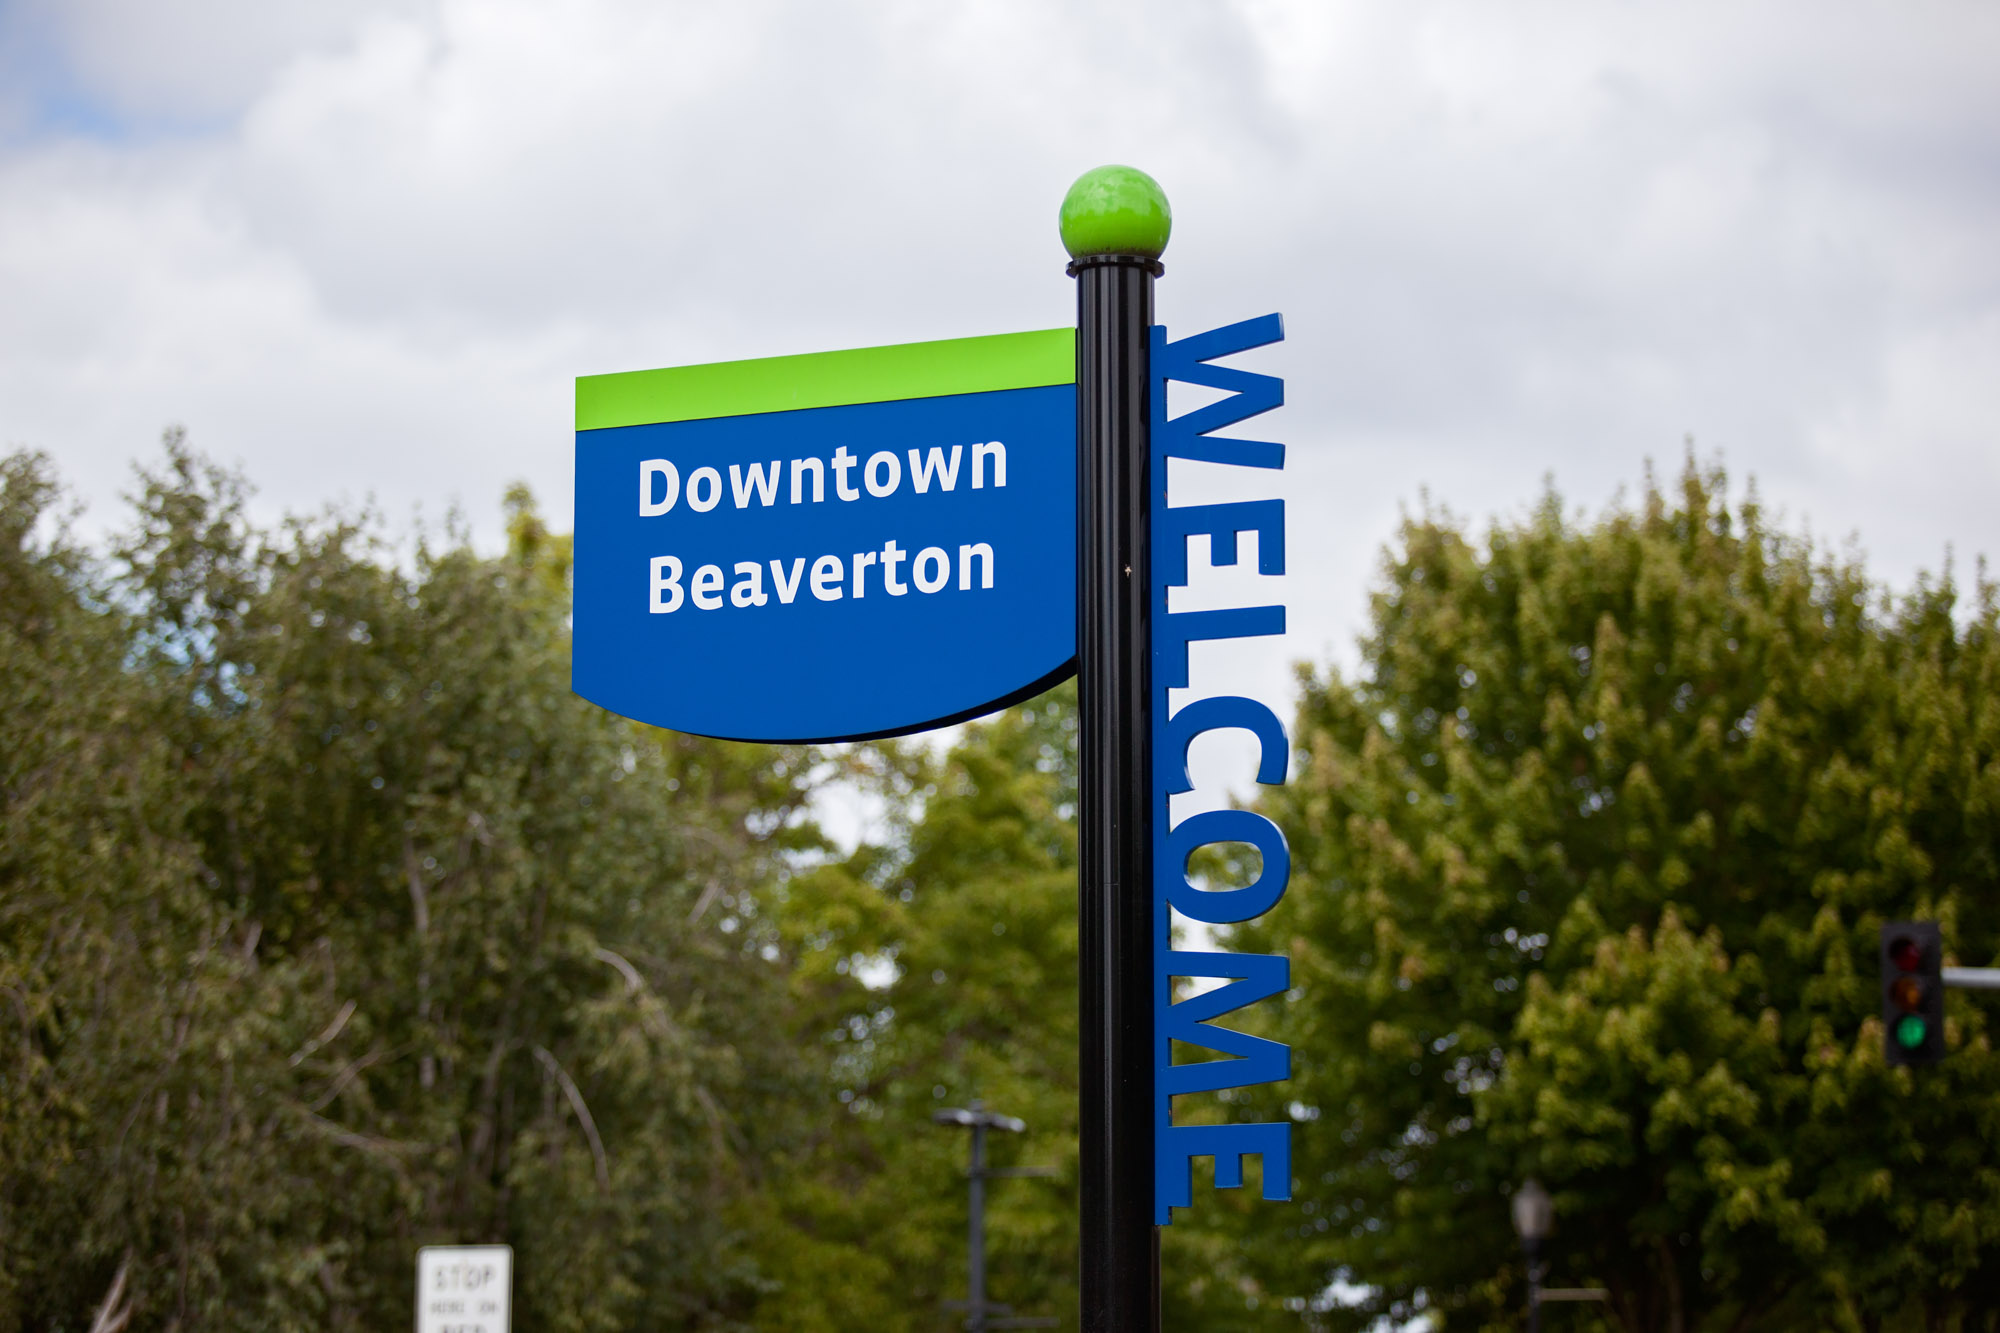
(363,250)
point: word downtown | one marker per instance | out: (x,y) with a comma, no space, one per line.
(931,569)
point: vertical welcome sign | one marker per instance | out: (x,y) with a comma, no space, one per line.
(1133,547)
(1250,977)
(867,543)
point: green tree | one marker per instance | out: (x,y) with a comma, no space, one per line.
(932,969)
(1590,862)
(937,966)
(335,925)
(133,1132)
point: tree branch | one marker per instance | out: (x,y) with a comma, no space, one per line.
(582,1114)
(115,1311)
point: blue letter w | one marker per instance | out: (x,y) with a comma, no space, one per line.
(1187,436)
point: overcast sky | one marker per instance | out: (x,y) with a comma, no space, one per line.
(364,249)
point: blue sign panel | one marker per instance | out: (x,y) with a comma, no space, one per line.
(829,572)
(1250,977)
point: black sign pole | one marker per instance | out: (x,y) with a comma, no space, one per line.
(1114,224)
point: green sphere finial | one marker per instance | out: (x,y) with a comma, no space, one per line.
(1115,211)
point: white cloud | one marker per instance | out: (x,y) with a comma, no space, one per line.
(365,249)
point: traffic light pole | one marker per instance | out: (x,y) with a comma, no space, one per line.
(1972,978)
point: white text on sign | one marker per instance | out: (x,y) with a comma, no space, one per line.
(465,1289)
(759,483)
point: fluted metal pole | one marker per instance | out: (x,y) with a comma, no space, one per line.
(1114,645)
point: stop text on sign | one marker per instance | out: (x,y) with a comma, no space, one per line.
(465,1289)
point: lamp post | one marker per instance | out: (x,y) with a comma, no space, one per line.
(1534,1219)
(980,1313)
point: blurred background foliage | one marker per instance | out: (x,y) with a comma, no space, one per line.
(1591,857)
(333,925)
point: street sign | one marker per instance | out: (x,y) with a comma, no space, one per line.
(1251,977)
(1133,545)
(866,543)
(464,1288)
(828,547)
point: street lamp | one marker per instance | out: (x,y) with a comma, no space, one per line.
(1534,1219)
(980,1313)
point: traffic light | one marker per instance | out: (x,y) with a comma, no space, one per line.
(1912,993)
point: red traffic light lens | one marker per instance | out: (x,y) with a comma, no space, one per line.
(1906,954)
(1910,1032)
(1907,993)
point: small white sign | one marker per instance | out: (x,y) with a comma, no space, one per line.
(464,1288)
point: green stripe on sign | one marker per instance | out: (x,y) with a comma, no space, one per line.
(827,379)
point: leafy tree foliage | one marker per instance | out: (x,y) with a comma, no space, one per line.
(1590,863)
(936,968)
(932,970)
(334,925)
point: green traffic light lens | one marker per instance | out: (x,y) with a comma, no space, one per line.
(1911,1031)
